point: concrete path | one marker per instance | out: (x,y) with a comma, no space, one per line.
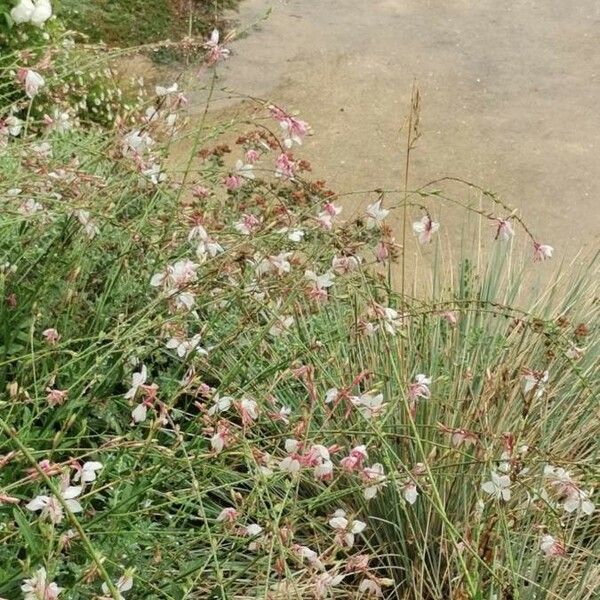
(510,96)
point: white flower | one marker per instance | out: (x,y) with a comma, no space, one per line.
(374,477)
(89,225)
(139,413)
(324,582)
(22,13)
(296,235)
(41,13)
(281,325)
(184,347)
(30,207)
(578,501)
(278,263)
(253,529)
(155,173)
(51,507)
(368,405)
(425,228)
(88,472)
(124,584)
(376,214)
(177,275)
(38,588)
(36,12)
(14,125)
(33,82)
(166,91)
(498,487)
(310,555)
(346,529)
(137,380)
(392,320)
(217,442)
(331,395)
(60,121)
(244,170)
(535,379)
(291,445)
(542,251)
(410,493)
(220,404)
(137,143)
(370,587)
(321,281)
(289,464)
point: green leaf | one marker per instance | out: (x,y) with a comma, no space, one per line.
(31,538)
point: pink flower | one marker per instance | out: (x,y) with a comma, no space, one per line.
(345,264)
(425,228)
(220,438)
(199,191)
(251,156)
(542,252)
(450,317)
(249,224)
(233,182)
(216,52)
(228,515)
(52,336)
(177,275)
(459,436)
(354,461)
(331,209)
(56,397)
(551,547)
(248,411)
(294,129)
(4,499)
(284,166)
(504,230)
(382,252)
(324,582)
(419,388)
(49,468)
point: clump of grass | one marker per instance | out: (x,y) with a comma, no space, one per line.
(202,367)
(132,23)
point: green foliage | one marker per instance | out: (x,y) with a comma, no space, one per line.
(110,274)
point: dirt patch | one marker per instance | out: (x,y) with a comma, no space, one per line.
(509,98)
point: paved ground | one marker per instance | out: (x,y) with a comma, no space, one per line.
(510,90)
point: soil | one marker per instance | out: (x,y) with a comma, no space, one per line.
(509,92)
